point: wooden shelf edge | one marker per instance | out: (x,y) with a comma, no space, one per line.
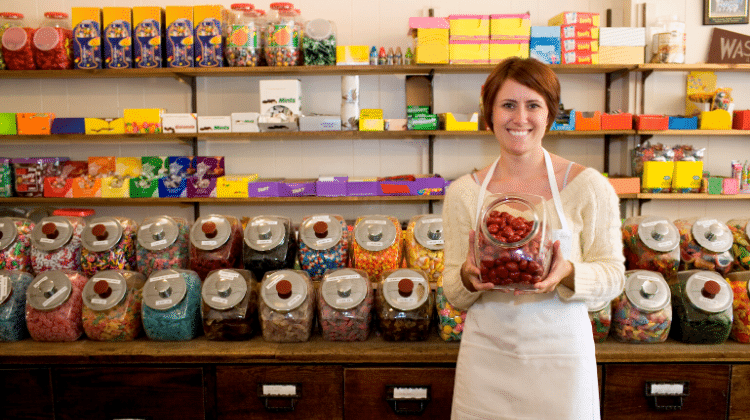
(167,201)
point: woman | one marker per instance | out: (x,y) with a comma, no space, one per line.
(530,354)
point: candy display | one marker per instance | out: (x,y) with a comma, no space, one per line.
(15,243)
(642,313)
(652,244)
(5,23)
(740,306)
(215,242)
(323,244)
(53,42)
(269,245)
(171,309)
(705,244)
(283,36)
(450,319)
(345,302)
(56,243)
(108,244)
(423,245)
(162,243)
(230,305)
(511,245)
(740,243)
(13,286)
(30,173)
(242,45)
(376,244)
(404,305)
(287,298)
(54,306)
(600,314)
(112,305)
(702,303)
(16,42)
(319,43)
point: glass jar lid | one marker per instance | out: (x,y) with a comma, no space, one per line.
(6,287)
(405,289)
(225,289)
(647,290)
(158,233)
(164,290)
(8,232)
(707,290)
(102,234)
(659,234)
(319,29)
(517,209)
(105,290)
(428,231)
(284,290)
(712,234)
(49,290)
(597,306)
(52,233)
(210,232)
(264,233)
(321,232)
(344,289)
(375,233)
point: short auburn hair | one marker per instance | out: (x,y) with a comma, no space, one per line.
(529,72)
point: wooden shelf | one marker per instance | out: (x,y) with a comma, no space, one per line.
(169,201)
(694,132)
(683,196)
(692,67)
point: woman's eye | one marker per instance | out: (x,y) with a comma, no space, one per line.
(508,105)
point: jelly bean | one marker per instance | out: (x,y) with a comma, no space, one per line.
(632,325)
(640,257)
(375,262)
(317,261)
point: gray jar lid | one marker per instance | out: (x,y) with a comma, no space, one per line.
(106,289)
(49,290)
(405,289)
(6,286)
(375,233)
(707,290)
(321,232)
(210,232)
(8,231)
(344,288)
(158,233)
(264,233)
(712,234)
(164,289)
(659,234)
(226,288)
(284,290)
(428,231)
(52,233)
(647,290)
(598,306)
(101,234)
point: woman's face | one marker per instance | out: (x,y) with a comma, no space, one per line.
(519,117)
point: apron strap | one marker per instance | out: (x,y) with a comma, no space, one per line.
(483,189)
(555,192)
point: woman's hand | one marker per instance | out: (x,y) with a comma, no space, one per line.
(470,272)
(560,270)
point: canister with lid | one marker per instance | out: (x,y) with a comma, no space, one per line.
(702,303)
(319,43)
(108,244)
(652,243)
(5,22)
(56,243)
(451,320)
(376,244)
(54,306)
(741,242)
(171,309)
(16,42)
(230,304)
(740,306)
(404,305)
(13,286)
(705,244)
(53,42)
(243,38)
(600,314)
(162,243)
(269,245)
(642,313)
(215,242)
(345,302)
(423,245)
(112,305)
(15,243)
(283,36)
(287,298)
(323,244)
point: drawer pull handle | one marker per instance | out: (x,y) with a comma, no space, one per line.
(279,397)
(408,400)
(672,392)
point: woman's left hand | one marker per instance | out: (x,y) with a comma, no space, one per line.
(560,268)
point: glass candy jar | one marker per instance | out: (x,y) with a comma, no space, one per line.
(705,244)
(171,309)
(53,42)
(652,243)
(741,242)
(13,286)
(15,243)
(269,245)
(112,305)
(323,244)
(600,314)
(108,244)
(230,304)
(702,303)
(54,306)
(56,243)
(376,244)
(215,242)
(162,243)
(404,305)
(423,245)
(242,46)
(642,313)
(16,42)
(287,298)
(283,36)
(345,302)
(319,43)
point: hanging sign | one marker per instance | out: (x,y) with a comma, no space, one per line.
(728,47)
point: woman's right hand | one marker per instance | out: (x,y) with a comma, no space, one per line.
(470,272)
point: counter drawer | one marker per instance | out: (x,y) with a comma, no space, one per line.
(25,394)
(398,393)
(305,392)
(739,399)
(129,392)
(626,388)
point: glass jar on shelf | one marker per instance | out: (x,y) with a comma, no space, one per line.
(600,314)
(345,303)
(54,306)
(56,243)
(15,243)
(319,43)
(171,309)
(376,244)
(112,305)
(16,42)
(242,46)
(287,299)
(738,280)
(652,243)
(642,313)
(741,242)
(323,244)
(13,286)
(162,243)
(108,244)
(230,305)
(702,303)
(705,244)
(215,242)
(404,305)
(53,42)
(283,36)
(269,244)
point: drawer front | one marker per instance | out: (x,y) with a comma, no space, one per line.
(625,389)
(25,394)
(739,399)
(135,392)
(398,393)
(305,392)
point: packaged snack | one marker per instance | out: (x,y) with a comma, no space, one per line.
(54,306)
(404,305)
(171,309)
(286,305)
(112,305)
(230,304)
(345,302)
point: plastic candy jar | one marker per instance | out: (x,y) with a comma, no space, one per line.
(404,305)
(162,243)
(16,42)
(13,286)
(108,244)
(56,243)
(741,242)
(243,38)
(15,243)
(423,245)
(600,314)
(376,244)
(5,23)
(345,302)
(511,245)
(643,311)
(54,306)
(283,36)
(705,244)
(230,304)
(652,243)
(323,244)
(287,298)
(112,305)
(740,306)
(702,303)
(450,319)
(269,245)
(53,42)
(171,309)
(215,242)
(319,43)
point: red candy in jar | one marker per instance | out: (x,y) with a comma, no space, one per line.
(52,43)
(705,244)
(652,243)
(108,244)
(54,306)
(56,243)
(511,245)
(16,43)
(215,242)
(376,244)
(15,243)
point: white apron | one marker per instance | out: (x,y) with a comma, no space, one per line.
(529,356)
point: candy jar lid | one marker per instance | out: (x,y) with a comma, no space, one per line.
(658,233)
(518,206)
(264,233)
(711,234)
(284,290)
(245,7)
(164,289)
(597,306)
(55,15)
(344,289)
(428,231)
(11,15)
(321,232)
(52,233)
(707,290)
(224,289)
(405,289)
(102,234)
(6,287)
(157,233)
(319,29)
(210,232)
(8,232)
(49,290)
(375,233)
(105,290)
(647,290)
